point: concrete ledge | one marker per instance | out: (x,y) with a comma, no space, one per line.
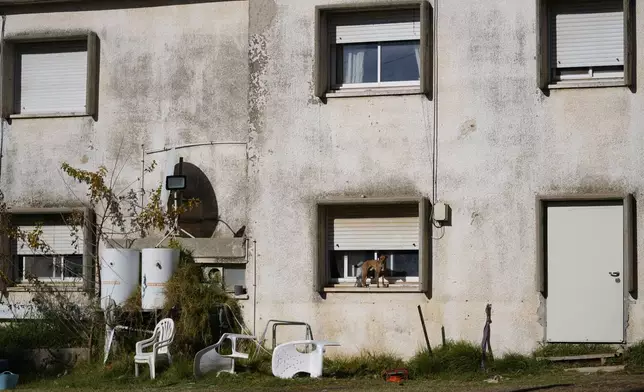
(598,369)
(587,84)
(374,92)
(390,289)
(212,248)
(60,286)
(584,357)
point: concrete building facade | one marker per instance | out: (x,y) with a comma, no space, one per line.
(535,168)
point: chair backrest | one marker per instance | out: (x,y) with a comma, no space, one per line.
(164,331)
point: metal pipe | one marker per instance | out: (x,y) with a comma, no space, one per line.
(255,287)
(436,122)
(194,145)
(2,103)
(142,173)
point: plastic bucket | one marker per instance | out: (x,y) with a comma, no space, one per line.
(8,380)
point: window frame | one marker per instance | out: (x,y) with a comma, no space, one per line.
(546,74)
(87,250)
(325,56)
(335,64)
(323,278)
(10,84)
(56,259)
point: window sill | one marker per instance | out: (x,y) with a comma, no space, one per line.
(587,84)
(390,289)
(376,91)
(240,297)
(47,115)
(66,286)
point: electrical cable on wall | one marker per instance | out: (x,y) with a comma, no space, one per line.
(4,22)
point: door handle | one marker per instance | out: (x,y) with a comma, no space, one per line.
(614,274)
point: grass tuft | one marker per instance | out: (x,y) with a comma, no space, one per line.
(366,364)
(562,350)
(634,357)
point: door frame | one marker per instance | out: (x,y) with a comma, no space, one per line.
(629,263)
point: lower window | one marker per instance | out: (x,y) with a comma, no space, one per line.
(65,268)
(367,230)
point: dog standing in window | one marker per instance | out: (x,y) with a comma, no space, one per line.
(379,268)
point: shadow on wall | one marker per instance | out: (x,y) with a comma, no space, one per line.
(202,220)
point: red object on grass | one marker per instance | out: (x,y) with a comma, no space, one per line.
(396,375)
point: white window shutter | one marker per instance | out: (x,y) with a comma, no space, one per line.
(587,33)
(53,81)
(58,237)
(400,233)
(355,27)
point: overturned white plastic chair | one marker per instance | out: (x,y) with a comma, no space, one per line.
(160,341)
(288,361)
(210,359)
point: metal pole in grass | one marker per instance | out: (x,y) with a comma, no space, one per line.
(485,344)
(422,321)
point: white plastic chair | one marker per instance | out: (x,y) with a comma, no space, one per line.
(161,338)
(209,359)
(288,361)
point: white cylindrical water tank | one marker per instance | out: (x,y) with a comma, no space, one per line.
(157,266)
(119,274)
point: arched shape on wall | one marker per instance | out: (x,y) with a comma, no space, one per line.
(202,220)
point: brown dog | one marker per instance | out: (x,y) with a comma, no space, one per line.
(379,267)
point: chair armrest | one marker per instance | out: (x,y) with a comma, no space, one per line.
(140,345)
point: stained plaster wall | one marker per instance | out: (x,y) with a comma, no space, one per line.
(169,75)
(501,141)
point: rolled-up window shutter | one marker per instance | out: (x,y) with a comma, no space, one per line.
(355,27)
(59,238)
(587,33)
(53,78)
(399,233)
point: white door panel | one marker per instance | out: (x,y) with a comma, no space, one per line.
(585,244)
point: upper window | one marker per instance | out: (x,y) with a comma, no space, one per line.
(355,233)
(51,78)
(374,51)
(588,42)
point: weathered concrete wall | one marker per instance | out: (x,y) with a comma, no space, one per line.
(501,141)
(169,75)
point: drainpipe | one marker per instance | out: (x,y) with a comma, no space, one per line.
(142,173)
(2,121)
(435,77)
(254,287)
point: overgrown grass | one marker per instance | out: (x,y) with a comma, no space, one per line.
(561,350)
(634,357)
(198,308)
(366,364)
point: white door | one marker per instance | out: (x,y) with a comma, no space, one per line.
(585,246)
